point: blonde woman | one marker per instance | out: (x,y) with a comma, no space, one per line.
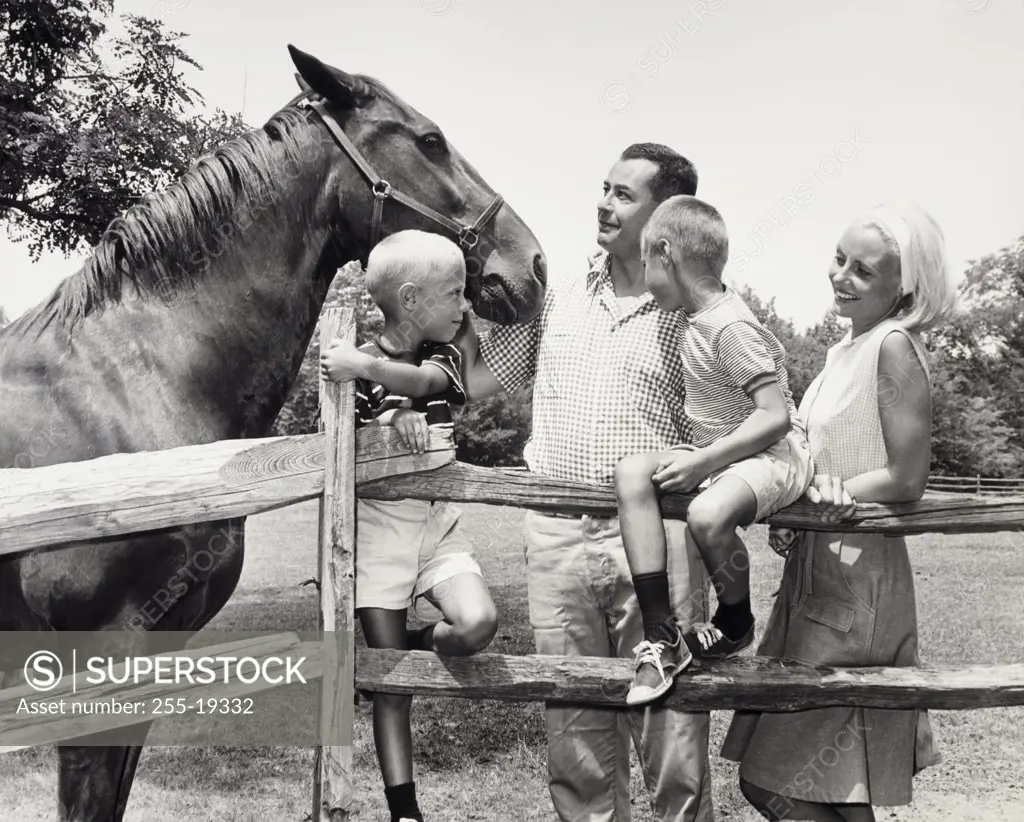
(848,599)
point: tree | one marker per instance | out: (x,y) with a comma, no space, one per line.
(970,437)
(993,295)
(89,121)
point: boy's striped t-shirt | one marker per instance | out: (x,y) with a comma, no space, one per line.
(372,399)
(725,353)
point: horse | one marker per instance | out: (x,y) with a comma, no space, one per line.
(188,323)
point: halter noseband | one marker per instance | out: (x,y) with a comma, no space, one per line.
(467,234)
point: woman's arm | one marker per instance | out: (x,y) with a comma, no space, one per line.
(904,406)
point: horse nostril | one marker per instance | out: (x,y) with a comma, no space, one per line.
(540,268)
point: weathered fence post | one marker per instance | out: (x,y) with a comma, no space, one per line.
(333,795)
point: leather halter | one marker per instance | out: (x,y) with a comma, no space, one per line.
(467,234)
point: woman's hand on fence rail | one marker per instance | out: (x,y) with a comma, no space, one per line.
(829,494)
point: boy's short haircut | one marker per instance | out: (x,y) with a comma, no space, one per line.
(420,257)
(695,228)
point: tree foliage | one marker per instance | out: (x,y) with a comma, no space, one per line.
(91,120)
(977,367)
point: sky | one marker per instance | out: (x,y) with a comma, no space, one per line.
(797,115)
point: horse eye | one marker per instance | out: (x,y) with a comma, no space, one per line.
(433,143)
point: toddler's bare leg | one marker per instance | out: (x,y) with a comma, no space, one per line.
(470,618)
(392,734)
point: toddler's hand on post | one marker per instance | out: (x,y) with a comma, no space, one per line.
(412,428)
(341,362)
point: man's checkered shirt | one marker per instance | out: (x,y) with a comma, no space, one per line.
(606,384)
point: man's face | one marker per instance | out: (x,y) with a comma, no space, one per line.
(624,207)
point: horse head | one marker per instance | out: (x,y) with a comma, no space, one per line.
(388,151)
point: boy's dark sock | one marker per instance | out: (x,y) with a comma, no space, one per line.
(655,606)
(402,802)
(421,639)
(734,620)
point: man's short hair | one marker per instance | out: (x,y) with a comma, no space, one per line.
(693,227)
(675,175)
(420,257)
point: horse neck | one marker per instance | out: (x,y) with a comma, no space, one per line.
(247,323)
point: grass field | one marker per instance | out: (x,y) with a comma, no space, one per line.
(486,760)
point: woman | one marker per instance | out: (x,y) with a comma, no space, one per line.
(848,599)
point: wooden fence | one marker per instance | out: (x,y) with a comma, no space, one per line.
(126,493)
(988,486)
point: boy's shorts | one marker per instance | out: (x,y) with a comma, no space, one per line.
(778,476)
(403,549)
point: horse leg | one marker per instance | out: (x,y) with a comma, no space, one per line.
(95,781)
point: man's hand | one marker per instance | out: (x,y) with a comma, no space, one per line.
(833,500)
(341,362)
(782,540)
(682,471)
(412,428)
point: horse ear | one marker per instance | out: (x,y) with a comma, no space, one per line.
(327,81)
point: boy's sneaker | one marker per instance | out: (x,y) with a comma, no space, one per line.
(657,665)
(706,641)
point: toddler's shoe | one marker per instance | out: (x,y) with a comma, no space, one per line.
(706,641)
(657,665)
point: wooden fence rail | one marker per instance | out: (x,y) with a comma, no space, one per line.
(745,683)
(125,493)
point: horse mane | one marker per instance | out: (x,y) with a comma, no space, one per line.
(162,244)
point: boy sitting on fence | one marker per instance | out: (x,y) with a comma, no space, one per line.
(748,451)
(410,552)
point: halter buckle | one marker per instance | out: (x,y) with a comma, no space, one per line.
(468,238)
(382,189)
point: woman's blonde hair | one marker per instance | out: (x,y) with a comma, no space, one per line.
(912,234)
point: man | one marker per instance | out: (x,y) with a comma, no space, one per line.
(607,382)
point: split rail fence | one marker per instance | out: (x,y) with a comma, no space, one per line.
(989,486)
(127,493)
